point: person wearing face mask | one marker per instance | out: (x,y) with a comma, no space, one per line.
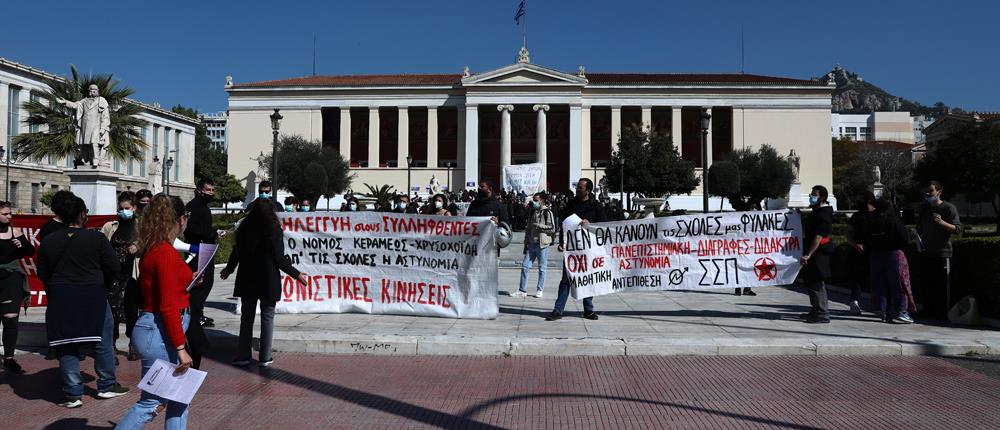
(305,205)
(264,194)
(76,265)
(816,258)
(353,205)
(437,206)
(124,237)
(14,292)
(142,198)
(486,204)
(937,222)
(401,205)
(541,229)
(200,230)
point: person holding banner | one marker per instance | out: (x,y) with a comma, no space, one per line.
(537,239)
(159,332)
(260,254)
(14,292)
(486,204)
(589,210)
(816,261)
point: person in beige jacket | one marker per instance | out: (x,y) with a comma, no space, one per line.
(538,237)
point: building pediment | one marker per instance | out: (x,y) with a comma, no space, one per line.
(523,74)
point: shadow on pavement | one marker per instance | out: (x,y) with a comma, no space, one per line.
(76,424)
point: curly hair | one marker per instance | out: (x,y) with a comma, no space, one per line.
(158,223)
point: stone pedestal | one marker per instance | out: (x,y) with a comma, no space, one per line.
(878,189)
(97,188)
(795,196)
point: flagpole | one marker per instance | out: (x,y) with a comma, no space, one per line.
(525,24)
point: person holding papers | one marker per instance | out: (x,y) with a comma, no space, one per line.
(260,255)
(159,332)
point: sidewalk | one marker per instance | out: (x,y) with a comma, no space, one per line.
(635,324)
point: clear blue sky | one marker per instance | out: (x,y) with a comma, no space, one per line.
(180,51)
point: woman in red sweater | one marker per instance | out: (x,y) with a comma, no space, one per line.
(159,331)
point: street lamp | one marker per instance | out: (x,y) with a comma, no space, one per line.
(706,122)
(275,126)
(449,165)
(409,164)
(166,174)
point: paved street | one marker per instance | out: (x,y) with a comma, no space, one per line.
(310,391)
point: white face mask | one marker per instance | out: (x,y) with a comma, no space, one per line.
(352,207)
(438,205)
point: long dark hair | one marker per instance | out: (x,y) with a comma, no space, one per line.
(259,225)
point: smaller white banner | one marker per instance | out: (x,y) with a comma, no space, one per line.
(523,177)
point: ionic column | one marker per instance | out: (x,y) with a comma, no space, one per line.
(432,137)
(403,140)
(675,128)
(345,133)
(4,109)
(616,127)
(373,131)
(575,145)
(541,141)
(471,152)
(505,111)
(647,117)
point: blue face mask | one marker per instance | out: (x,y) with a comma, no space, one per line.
(126,214)
(813,200)
(305,208)
(931,199)
(265,195)
(536,205)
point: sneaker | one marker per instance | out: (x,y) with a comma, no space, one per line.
(71,402)
(241,362)
(748,292)
(11,365)
(816,319)
(539,295)
(739,292)
(115,391)
(553,316)
(590,315)
(855,308)
(265,363)
(519,294)
(207,322)
(903,318)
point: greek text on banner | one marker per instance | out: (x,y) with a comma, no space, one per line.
(387,263)
(723,250)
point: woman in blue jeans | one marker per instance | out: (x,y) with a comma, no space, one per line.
(537,240)
(159,331)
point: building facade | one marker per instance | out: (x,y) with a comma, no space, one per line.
(894,126)
(216,126)
(463,128)
(168,136)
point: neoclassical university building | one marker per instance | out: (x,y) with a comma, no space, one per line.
(461,128)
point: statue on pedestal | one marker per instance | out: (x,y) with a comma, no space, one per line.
(878,175)
(93,128)
(795,162)
(435,186)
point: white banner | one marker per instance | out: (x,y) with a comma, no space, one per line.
(523,177)
(724,250)
(386,263)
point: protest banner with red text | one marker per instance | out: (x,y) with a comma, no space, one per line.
(723,250)
(31,224)
(388,263)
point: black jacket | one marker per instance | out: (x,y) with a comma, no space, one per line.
(199,227)
(590,210)
(488,207)
(261,257)
(274,203)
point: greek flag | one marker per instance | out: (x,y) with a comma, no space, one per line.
(520,12)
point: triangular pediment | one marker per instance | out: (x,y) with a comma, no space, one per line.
(523,74)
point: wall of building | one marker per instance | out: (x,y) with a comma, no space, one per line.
(803,130)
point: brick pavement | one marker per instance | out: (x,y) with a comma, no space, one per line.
(308,391)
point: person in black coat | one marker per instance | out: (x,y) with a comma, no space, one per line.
(585,206)
(200,230)
(816,260)
(486,204)
(260,253)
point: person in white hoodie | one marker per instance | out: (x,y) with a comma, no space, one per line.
(538,236)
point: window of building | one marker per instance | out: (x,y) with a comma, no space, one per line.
(177,157)
(851,132)
(13,112)
(866,133)
(13,194)
(142,161)
(36,195)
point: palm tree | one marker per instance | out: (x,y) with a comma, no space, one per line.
(59,139)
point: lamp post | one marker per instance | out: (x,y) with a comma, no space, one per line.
(167,164)
(621,183)
(409,164)
(706,122)
(449,165)
(275,126)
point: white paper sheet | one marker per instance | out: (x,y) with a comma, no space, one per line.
(206,252)
(161,381)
